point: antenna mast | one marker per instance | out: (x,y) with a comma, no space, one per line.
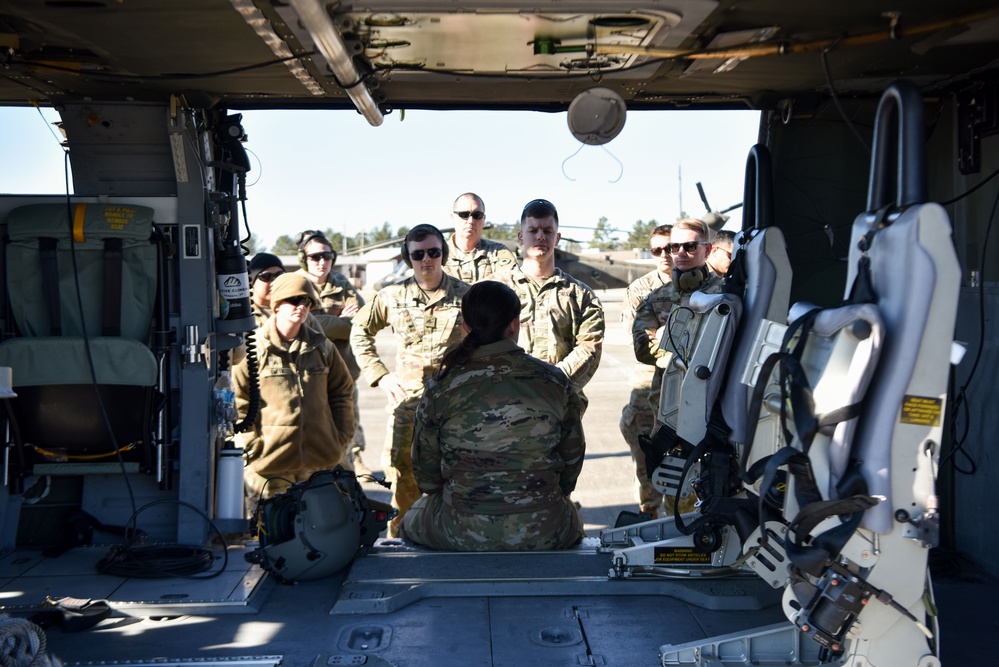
(679,177)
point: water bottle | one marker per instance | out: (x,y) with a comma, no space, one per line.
(224,396)
(229,494)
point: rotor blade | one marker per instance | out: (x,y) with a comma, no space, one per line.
(731,208)
(704,198)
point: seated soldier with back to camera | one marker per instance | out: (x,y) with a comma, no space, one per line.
(498,442)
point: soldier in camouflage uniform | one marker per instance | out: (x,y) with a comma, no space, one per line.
(561,319)
(722,247)
(498,443)
(424,313)
(472,258)
(689,246)
(639,415)
(339,301)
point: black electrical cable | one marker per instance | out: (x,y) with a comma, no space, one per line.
(369,477)
(253,366)
(835,96)
(156,560)
(968,192)
(252,363)
(135,559)
(86,338)
(960,402)
(113,76)
(670,321)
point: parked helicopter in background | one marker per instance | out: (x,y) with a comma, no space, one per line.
(597,272)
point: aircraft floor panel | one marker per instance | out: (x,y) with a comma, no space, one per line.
(31,577)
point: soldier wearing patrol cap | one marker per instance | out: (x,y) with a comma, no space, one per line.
(306,416)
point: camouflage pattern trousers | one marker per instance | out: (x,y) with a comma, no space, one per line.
(433,522)
(638,417)
(397,460)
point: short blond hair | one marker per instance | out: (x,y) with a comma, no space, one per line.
(695,225)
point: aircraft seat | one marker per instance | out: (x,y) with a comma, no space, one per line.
(838,352)
(873,512)
(720,316)
(766,297)
(916,273)
(70,370)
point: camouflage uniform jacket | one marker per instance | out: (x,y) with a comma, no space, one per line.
(336,293)
(641,374)
(654,312)
(261,314)
(306,413)
(485,260)
(561,322)
(500,434)
(424,330)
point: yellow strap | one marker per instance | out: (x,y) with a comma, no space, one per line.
(78,217)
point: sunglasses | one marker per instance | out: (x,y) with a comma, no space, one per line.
(298,300)
(432,253)
(475,215)
(656,252)
(320,256)
(689,247)
(268,277)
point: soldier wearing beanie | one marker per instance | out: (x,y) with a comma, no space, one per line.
(262,261)
(262,270)
(306,413)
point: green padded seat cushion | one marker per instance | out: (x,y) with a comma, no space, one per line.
(61,360)
(90,224)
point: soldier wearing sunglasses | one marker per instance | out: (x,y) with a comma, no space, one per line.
(721,251)
(262,270)
(689,247)
(306,416)
(665,328)
(424,314)
(639,415)
(472,258)
(339,301)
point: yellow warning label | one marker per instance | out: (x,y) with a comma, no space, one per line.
(118,217)
(921,411)
(680,555)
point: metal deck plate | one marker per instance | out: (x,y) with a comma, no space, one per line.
(387,581)
(29,577)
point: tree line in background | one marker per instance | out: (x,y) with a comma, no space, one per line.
(603,238)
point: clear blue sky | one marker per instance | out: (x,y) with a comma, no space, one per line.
(331,169)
